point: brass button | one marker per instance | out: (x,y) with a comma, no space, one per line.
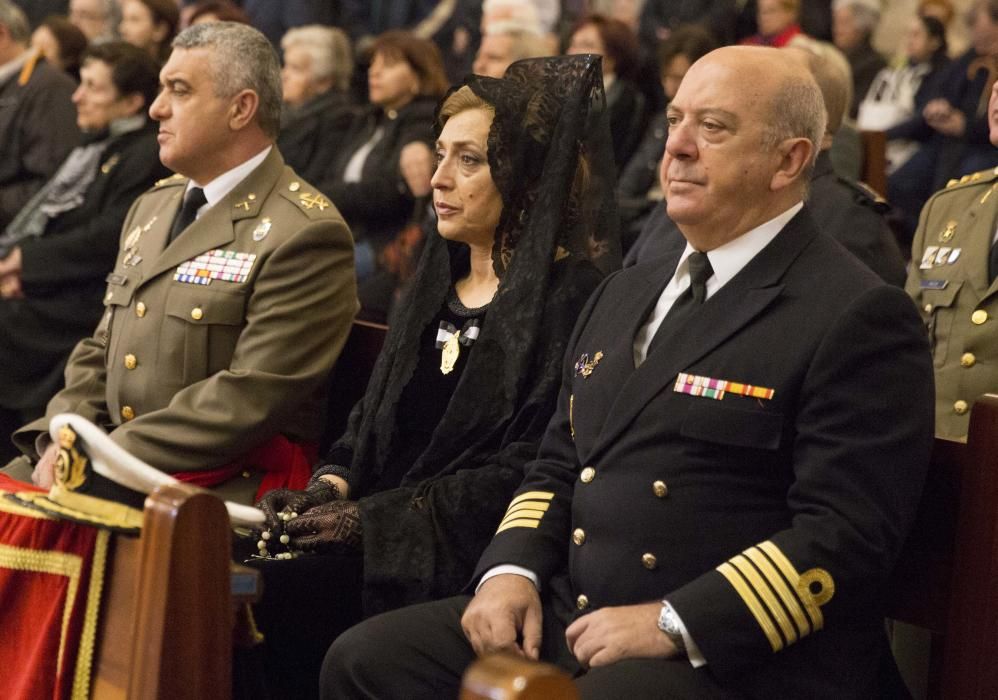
(131,362)
(582,602)
(979,317)
(960,407)
(294,186)
(127,412)
(196,313)
(579,536)
(967,359)
(649,561)
(140,309)
(587,475)
(928,308)
(660,489)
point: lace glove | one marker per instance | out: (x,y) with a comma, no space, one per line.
(289,501)
(325,527)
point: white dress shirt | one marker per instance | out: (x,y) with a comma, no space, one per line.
(216,190)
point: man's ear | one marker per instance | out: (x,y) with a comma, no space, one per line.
(795,155)
(242,109)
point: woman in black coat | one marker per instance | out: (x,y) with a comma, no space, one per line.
(405,502)
(405,80)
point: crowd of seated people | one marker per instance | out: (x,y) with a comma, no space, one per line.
(489,176)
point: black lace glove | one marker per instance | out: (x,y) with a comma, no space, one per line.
(326,527)
(290,501)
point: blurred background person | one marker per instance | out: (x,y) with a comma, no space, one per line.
(500,48)
(897,96)
(627,105)
(97,19)
(37,120)
(61,43)
(213,11)
(55,255)
(660,18)
(405,80)
(37,10)
(150,25)
(315,80)
(853,24)
(778,21)
(274,19)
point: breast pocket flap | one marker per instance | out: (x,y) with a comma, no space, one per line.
(711,421)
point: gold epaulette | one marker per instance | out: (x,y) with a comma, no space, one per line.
(174,179)
(980,177)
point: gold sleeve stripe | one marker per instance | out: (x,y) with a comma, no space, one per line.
(780,586)
(538,507)
(764,592)
(523,515)
(532,496)
(752,603)
(506,525)
(788,570)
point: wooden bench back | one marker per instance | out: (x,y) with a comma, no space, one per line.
(349,377)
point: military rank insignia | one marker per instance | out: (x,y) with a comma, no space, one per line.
(225,265)
(711,388)
(584,366)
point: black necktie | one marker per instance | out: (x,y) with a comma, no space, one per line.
(193,201)
(688,302)
(993,263)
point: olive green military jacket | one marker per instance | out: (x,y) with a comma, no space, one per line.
(948,280)
(211,345)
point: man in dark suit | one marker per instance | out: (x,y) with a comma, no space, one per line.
(56,254)
(738,451)
(37,119)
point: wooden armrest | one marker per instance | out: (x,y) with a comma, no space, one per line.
(515,678)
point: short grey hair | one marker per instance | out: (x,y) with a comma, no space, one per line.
(328,47)
(797,111)
(12,17)
(241,59)
(866,13)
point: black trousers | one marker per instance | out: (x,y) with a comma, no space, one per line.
(421,652)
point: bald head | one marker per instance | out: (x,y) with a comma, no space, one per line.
(744,129)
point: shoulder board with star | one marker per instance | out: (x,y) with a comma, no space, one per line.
(308,199)
(175,179)
(979,178)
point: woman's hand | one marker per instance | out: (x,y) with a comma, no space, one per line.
(290,501)
(324,527)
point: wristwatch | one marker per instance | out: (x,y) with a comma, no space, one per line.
(668,622)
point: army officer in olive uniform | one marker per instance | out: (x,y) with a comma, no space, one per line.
(233,290)
(954,263)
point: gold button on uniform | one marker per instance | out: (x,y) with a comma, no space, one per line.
(582,602)
(587,475)
(579,536)
(967,359)
(140,309)
(979,317)
(960,407)
(131,362)
(649,561)
(660,489)
(294,186)
(196,313)
(127,412)
(928,308)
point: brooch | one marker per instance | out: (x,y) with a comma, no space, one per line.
(585,366)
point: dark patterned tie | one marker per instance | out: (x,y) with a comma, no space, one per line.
(193,201)
(688,302)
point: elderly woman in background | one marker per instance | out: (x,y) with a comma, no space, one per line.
(318,63)
(61,43)
(214,11)
(628,107)
(407,499)
(778,22)
(150,25)
(853,24)
(405,80)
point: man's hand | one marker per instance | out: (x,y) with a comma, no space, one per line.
(505,606)
(944,118)
(44,474)
(609,635)
(10,275)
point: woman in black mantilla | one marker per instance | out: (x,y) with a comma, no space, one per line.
(469,374)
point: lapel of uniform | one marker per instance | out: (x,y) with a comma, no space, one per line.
(743,298)
(216,227)
(976,252)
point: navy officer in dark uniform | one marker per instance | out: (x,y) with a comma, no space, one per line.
(738,451)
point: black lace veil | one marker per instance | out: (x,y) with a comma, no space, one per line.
(550,154)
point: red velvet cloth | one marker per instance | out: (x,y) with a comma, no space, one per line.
(286,465)
(51,575)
